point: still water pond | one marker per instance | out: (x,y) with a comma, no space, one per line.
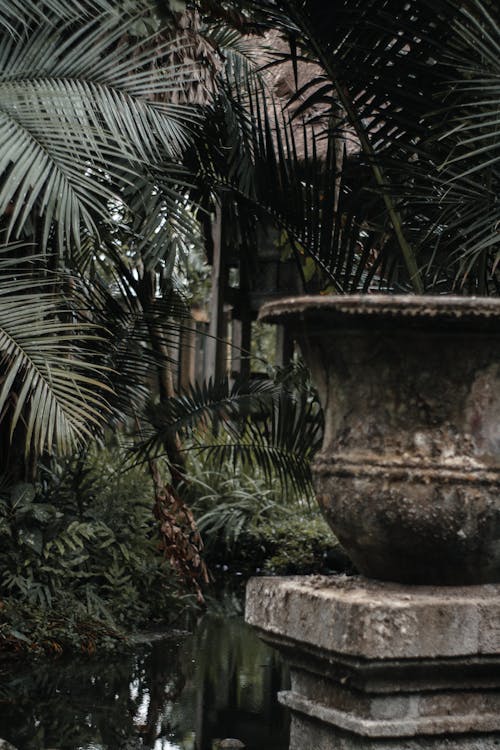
(183,693)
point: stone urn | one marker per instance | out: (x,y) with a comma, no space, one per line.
(409,473)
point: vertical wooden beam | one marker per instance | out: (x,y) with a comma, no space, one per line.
(284,347)
(188,354)
(214,362)
(175,350)
(242,343)
(246,345)
(223,352)
(236,346)
(201,351)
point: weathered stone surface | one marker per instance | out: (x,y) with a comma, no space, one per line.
(409,473)
(356,617)
(306,734)
(457,717)
(398,714)
(381,665)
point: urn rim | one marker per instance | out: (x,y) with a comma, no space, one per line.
(346,309)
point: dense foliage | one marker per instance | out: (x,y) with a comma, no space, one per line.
(79,561)
(250,526)
(381,157)
(91,144)
(130,118)
(81,564)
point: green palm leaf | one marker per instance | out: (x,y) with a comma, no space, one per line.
(293,173)
(16,14)
(469,177)
(258,424)
(50,380)
(416,86)
(202,405)
(113,300)
(82,115)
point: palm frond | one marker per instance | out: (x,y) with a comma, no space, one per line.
(51,382)
(415,86)
(469,176)
(243,56)
(15,15)
(259,423)
(82,115)
(306,184)
(202,405)
(370,55)
(281,446)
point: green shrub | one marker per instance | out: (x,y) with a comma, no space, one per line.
(227,502)
(79,557)
(250,525)
(298,543)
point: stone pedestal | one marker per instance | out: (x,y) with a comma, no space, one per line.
(383,666)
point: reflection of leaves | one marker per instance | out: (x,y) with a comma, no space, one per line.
(86,702)
(49,704)
(95,703)
(225,651)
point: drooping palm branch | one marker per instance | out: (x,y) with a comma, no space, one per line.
(469,169)
(52,386)
(91,146)
(120,301)
(256,423)
(86,109)
(391,76)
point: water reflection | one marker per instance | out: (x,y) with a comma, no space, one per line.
(176,694)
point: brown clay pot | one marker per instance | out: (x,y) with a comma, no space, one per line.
(409,473)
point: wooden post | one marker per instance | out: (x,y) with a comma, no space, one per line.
(284,347)
(242,342)
(215,361)
(187,354)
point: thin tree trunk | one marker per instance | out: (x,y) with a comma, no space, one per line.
(179,537)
